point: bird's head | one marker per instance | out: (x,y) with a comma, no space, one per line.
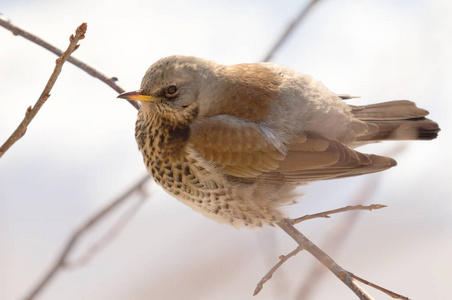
(174,84)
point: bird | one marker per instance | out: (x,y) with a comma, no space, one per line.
(234,142)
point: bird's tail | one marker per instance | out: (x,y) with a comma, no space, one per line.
(396,120)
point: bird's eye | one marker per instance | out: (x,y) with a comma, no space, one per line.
(171,90)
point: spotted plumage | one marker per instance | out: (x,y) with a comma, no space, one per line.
(233,142)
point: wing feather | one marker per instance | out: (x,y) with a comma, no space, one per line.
(240,148)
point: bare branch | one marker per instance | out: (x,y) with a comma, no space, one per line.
(111,234)
(61,261)
(268,276)
(336,237)
(31,112)
(326,214)
(110,81)
(301,16)
(346,277)
(304,242)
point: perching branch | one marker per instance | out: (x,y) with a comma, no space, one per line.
(110,81)
(62,260)
(336,237)
(31,112)
(325,214)
(343,275)
(304,243)
(346,277)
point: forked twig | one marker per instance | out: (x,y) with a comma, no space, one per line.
(346,277)
(325,214)
(304,242)
(32,111)
(300,247)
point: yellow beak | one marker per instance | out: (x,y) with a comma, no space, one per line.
(137,96)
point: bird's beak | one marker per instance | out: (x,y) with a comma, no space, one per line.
(137,96)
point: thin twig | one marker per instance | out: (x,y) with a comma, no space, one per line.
(110,81)
(31,112)
(113,232)
(61,260)
(326,214)
(268,276)
(301,16)
(377,287)
(342,274)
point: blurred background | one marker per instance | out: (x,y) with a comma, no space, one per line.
(79,153)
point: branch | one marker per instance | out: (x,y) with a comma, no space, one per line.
(62,260)
(346,277)
(111,233)
(31,112)
(268,276)
(336,237)
(301,16)
(326,214)
(304,242)
(110,81)
(377,287)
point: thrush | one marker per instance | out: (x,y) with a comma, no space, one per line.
(233,142)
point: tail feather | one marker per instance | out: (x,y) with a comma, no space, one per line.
(396,120)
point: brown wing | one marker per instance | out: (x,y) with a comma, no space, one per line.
(320,158)
(241,149)
(236,146)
